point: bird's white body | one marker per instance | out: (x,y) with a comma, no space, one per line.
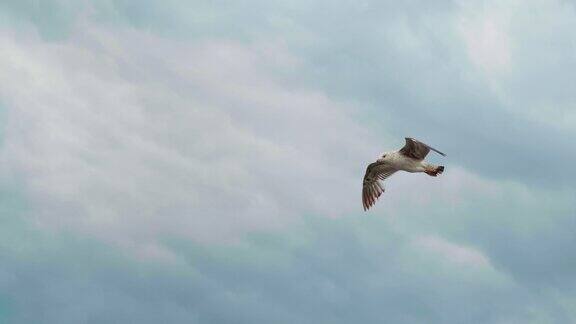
(403,163)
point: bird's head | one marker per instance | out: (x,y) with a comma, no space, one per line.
(385,155)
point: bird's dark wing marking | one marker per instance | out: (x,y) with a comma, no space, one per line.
(417,150)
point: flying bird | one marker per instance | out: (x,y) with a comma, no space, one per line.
(410,158)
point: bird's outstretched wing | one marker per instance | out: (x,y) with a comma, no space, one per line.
(371,188)
(416,149)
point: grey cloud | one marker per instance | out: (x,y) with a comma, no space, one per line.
(338,271)
(525,232)
(415,74)
(147,143)
(408,68)
(52,19)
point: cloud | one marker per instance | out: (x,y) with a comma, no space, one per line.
(129,135)
(454,253)
(486,38)
(450,73)
(323,270)
(203,163)
(52,19)
(412,70)
(522,230)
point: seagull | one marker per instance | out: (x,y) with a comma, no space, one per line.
(410,158)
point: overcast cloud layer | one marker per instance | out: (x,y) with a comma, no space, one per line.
(201,162)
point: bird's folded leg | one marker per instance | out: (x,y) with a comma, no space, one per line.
(433,170)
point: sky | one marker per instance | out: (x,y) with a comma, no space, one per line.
(202,161)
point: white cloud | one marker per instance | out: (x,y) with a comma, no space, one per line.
(523,49)
(485,31)
(454,253)
(131,137)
